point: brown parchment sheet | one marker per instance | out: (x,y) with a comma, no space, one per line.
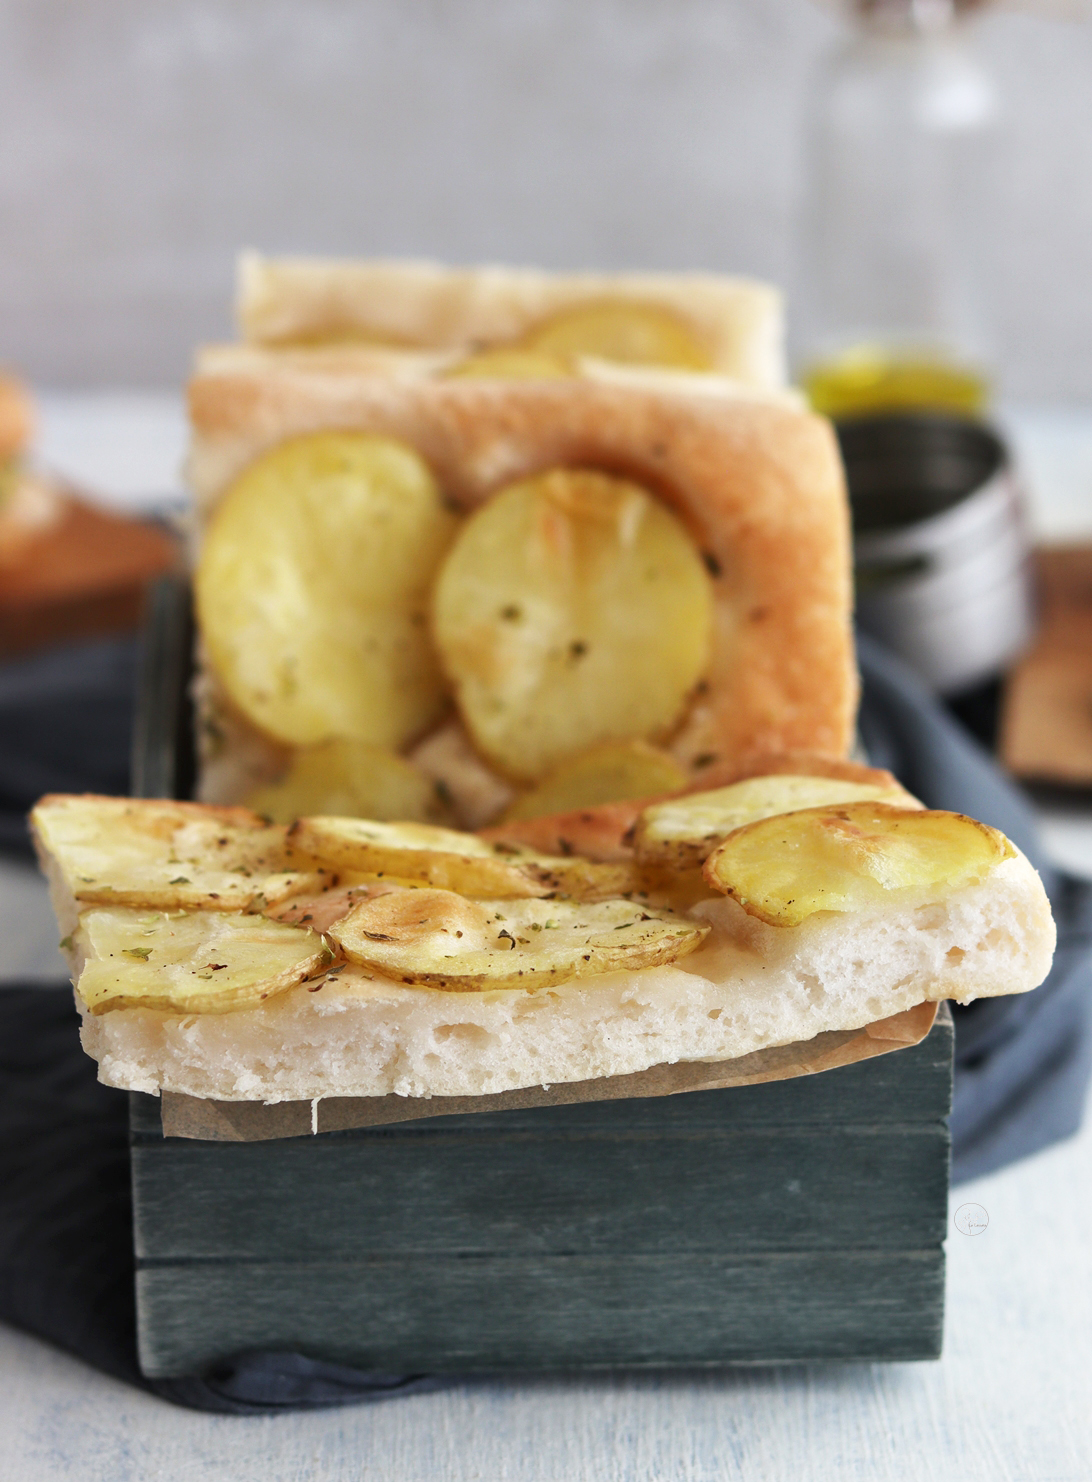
(254,1121)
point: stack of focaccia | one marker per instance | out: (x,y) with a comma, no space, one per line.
(560,562)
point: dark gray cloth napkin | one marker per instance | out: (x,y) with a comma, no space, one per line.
(66,1259)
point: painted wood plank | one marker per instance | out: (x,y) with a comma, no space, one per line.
(747,1190)
(458,1314)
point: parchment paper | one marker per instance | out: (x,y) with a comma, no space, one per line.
(254,1121)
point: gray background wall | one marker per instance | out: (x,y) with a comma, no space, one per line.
(141,143)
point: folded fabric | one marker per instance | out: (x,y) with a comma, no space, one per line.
(1022,1063)
(66,1238)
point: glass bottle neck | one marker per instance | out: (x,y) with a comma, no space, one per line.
(908,17)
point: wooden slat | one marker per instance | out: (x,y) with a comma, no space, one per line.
(440,1313)
(642,1191)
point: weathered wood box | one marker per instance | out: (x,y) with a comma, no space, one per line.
(795,1220)
(800,1219)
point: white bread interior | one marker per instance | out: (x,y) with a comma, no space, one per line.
(426,305)
(750,986)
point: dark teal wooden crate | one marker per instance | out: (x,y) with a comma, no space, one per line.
(795,1220)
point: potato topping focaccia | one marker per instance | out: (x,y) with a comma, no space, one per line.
(612,771)
(850,857)
(456,861)
(353,778)
(167,855)
(198,963)
(680,833)
(441,939)
(572,609)
(312,590)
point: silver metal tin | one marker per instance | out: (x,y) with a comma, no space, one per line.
(940,544)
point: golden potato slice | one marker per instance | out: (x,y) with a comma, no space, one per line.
(850,857)
(679,833)
(572,609)
(418,853)
(351,778)
(511,364)
(204,963)
(610,773)
(635,333)
(312,590)
(173,856)
(439,938)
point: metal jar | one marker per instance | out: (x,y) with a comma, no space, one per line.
(940,544)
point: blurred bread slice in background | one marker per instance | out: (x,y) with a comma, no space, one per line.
(730,327)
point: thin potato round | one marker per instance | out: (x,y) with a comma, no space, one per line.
(419,853)
(312,590)
(203,963)
(610,773)
(680,833)
(852,857)
(350,778)
(511,364)
(172,856)
(635,333)
(573,609)
(437,938)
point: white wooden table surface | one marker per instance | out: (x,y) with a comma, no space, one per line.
(1010,1401)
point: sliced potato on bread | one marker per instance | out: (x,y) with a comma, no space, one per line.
(350,778)
(312,590)
(511,363)
(850,857)
(421,854)
(612,772)
(681,832)
(632,333)
(572,609)
(443,940)
(201,962)
(168,855)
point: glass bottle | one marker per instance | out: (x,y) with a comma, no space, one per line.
(902,144)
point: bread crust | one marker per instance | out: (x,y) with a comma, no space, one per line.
(758,485)
(423,304)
